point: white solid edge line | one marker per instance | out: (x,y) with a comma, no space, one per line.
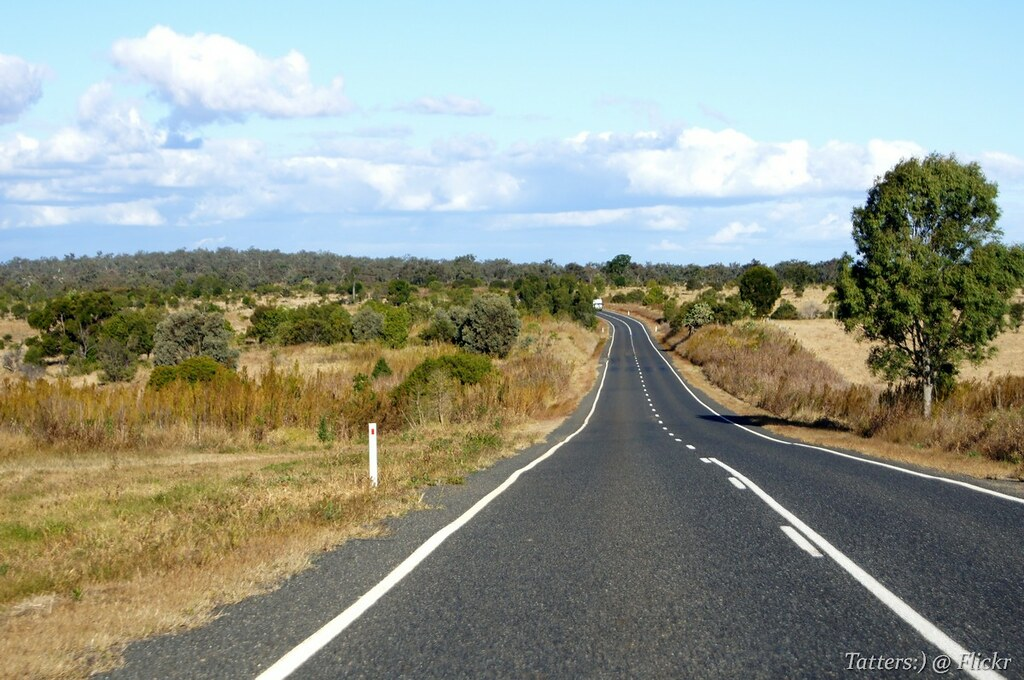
(737,483)
(956,482)
(802,542)
(291,661)
(705,460)
(928,630)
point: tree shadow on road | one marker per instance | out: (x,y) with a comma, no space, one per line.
(765,420)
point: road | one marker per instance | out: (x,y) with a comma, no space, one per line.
(660,540)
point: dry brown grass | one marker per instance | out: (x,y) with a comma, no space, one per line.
(978,431)
(827,340)
(101,544)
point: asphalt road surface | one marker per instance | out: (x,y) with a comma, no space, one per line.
(660,540)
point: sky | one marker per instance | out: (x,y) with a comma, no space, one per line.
(677,132)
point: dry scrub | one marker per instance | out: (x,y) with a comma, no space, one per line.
(771,370)
(125,512)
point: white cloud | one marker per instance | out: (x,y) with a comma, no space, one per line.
(666,246)
(652,218)
(733,232)
(210,241)
(206,77)
(449,105)
(21,86)
(1002,167)
(134,213)
(705,163)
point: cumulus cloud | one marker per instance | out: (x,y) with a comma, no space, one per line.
(21,86)
(706,163)
(208,77)
(449,105)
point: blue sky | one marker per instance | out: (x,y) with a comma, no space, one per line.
(675,132)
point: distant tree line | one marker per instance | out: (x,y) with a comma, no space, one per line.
(195,274)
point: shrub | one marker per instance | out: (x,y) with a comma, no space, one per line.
(786,311)
(698,315)
(395,329)
(760,286)
(442,328)
(188,334)
(264,322)
(367,325)
(201,369)
(468,369)
(116,360)
(380,368)
(491,327)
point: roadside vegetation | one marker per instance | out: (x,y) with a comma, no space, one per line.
(160,460)
(932,289)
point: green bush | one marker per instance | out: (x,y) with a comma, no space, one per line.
(200,369)
(188,334)
(380,368)
(760,287)
(467,369)
(367,325)
(491,326)
(117,360)
(395,329)
(786,311)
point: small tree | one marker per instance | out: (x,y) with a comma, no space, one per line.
(699,314)
(395,329)
(932,283)
(117,360)
(491,326)
(188,334)
(761,288)
(367,325)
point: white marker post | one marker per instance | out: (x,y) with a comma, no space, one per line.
(373,453)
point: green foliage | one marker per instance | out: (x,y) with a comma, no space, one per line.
(367,325)
(194,370)
(655,294)
(464,368)
(444,326)
(133,328)
(381,368)
(322,324)
(491,326)
(698,315)
(71,324)
(1016,315)
(468,369)
(395,329)
(265,320)
(199,369)
(932,282)
(786,311)
(619,269)
(323,431)
(183,335)
(761,288)
(399,292)
(117,360)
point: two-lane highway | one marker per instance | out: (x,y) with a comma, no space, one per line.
(662,540)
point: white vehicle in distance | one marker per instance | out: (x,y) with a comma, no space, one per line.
(598,303)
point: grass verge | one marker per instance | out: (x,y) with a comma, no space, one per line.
(768,378)
(106,538)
